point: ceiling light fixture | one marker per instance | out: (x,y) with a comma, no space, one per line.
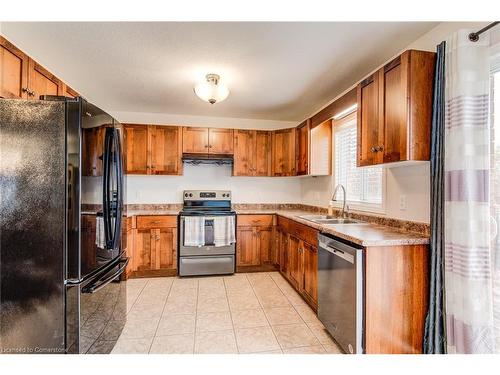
(212,90)
(345,112)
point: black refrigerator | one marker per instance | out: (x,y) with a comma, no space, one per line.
(61,233)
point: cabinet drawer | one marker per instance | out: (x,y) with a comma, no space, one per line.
(255,220)
(304,232)
(144,222)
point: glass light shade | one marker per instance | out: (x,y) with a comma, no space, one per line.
(211,91)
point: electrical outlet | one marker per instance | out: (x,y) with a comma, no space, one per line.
(402,202)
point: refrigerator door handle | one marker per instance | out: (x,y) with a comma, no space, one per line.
(117,158)
(101,283)
(105,187)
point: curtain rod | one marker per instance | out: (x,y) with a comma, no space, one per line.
(474,37)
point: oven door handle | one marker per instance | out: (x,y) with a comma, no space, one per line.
(101,283)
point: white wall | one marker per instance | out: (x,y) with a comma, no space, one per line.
(412,182)
(168,189)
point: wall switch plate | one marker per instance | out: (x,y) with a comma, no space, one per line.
(402,202)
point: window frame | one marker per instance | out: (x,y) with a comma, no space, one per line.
(377,208)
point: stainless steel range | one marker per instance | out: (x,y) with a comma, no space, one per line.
(201,251)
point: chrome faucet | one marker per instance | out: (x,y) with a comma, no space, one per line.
(334,198)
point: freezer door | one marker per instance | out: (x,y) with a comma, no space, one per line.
(32,222)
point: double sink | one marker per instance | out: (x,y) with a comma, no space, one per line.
(325,220)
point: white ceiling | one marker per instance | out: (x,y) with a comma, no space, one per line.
(275,71)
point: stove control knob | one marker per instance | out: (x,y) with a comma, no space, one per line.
(186,194)
(190,194)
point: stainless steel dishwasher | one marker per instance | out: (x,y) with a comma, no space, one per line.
(340,292)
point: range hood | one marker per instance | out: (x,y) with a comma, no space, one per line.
(217,159)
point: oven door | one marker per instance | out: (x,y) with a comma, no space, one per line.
(206,250)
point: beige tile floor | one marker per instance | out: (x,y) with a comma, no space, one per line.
(241,313)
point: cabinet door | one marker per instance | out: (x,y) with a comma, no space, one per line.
(247,251)
(136,149)
(310,266)
(265,244)
(320,153)
(166,150)
(13,71)
(145,249)
(220,141)
(283,251)
(295,262)
(195,140)
(394,78)
(42,82)
(243,152)
(69,92)
(368,122)
(284,152)
(302,148)
(166,245)
(92,150)
(262,154)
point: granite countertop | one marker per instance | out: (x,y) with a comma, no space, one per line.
(364,234)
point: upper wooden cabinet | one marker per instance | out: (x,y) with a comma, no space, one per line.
(92,150)
(320,154)
(135,150)
(21,77)
(153,149)
(207,141)
(252,153)
(13,71)
(283,152)
(395,110)
(302,148)
(165,149)
(42,82)
(220,141)
(195,140)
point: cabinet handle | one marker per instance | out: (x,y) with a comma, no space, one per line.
(374,149)
(206,146)
(31,93)
(24,89)
(380,148)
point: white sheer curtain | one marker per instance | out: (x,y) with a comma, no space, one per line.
(471,273)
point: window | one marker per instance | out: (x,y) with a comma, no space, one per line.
(364,186)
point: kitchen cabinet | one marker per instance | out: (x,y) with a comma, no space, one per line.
(21,77)
(165,150)
(153,149)
(252,153)
(320,154)
(42,82)
(69,92)
(92,148)
(283,152)
(295,262)
(396,285)
(298,259)
(13,71)
(254,243)
(155,248)
(302,148)
(207,141)
(395,110)
(310,269)
(220,141)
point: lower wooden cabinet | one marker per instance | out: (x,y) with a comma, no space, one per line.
(155,246)
(254,243)
(310,267)
(298,258)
